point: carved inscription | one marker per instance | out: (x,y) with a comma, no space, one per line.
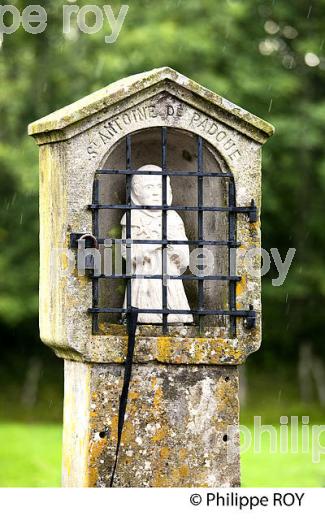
(211,128)
(198,122)
(115,126)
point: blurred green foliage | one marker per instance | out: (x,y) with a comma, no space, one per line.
(254,53)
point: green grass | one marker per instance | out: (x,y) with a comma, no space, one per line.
(30,456)
(267,469)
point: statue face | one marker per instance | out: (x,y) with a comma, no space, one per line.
(148,189)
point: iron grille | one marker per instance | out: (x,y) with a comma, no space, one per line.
(232,210)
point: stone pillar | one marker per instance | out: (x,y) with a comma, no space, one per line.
(176,432)
(182,417)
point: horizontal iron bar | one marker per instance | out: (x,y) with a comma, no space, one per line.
(230,209)
(74,237)
(179,242)
(212,312)
(166,277)
(169,173)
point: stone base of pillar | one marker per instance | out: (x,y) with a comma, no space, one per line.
(181,427)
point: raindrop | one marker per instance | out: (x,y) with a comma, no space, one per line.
(309,11)
(311,59)
(270,105)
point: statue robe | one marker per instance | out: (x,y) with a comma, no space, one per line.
(147,259)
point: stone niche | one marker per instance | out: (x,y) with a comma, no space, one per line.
(181,156)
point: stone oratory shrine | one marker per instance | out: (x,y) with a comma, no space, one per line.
(150,200)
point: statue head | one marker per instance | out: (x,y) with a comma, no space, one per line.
(147,189)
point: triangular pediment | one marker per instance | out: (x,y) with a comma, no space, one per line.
(169,80)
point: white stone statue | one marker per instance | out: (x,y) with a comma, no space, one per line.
(147,258)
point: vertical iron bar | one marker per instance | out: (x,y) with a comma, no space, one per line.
(95,284)
(164,225)
(231,266)
(200,223)
(128,222)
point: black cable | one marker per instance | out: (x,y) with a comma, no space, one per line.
(132,319)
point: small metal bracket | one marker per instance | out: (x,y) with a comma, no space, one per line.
(253,217)
(250,320)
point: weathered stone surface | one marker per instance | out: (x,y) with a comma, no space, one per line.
(176,432)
